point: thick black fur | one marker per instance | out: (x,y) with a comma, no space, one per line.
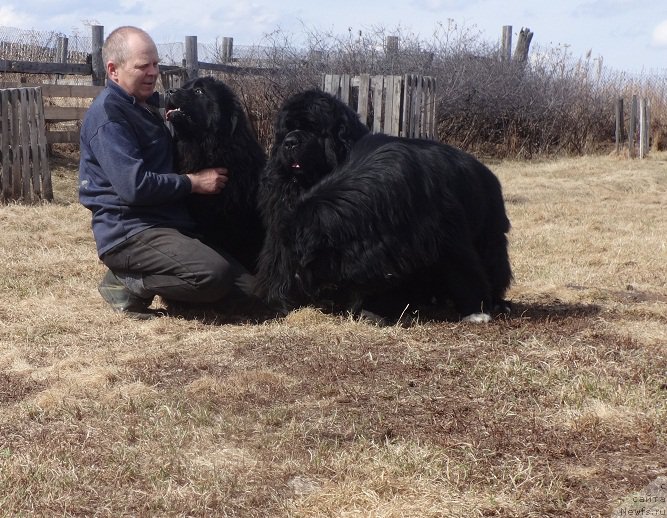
(376,222)
(211,130)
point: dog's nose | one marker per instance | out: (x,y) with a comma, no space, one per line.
(291,141)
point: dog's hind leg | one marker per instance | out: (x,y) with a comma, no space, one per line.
(462,279)
(496,264)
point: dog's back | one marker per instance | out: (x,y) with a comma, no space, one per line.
(396,211)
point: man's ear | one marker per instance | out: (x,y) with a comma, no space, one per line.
(112,71)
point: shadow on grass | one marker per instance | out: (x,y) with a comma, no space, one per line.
(553,310)
(413,315)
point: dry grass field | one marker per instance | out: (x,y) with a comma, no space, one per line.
(557,410)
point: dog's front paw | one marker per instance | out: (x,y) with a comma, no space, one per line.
(477,318)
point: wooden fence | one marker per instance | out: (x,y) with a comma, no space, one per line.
(395,105)
(62,103)
(30,113)
(638,122)
(24,167)
(69,102)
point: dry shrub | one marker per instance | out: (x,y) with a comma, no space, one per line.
(553,104)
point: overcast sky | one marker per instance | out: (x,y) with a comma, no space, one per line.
(629,35)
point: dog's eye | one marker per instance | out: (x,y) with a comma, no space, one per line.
(199,91)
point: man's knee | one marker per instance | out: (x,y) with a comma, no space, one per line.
(214,283)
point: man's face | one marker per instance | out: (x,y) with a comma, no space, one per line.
(138,75)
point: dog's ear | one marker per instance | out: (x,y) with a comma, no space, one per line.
(334,151)
(234,119)
(344,135)
(350,128)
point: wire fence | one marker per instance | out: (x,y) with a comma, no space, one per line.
(42,46)
(551,104)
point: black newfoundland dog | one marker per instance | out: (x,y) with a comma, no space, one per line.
(211,130)
(371,222)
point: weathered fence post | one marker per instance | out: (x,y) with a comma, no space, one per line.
(523,45)
(98,65)
(506,44)
(191,59)
(61,49)
(619,124)
(391,45)
(227,49)
(632,130)
(643,128)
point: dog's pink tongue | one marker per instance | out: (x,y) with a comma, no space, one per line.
(169,113)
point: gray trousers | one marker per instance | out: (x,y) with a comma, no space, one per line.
(179,268)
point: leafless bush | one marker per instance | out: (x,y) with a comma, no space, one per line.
(549,105)
(552,104)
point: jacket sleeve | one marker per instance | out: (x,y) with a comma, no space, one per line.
(121,157)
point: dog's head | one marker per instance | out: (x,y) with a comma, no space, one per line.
(202,107)
(314,133)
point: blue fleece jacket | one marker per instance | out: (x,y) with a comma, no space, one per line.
(126,171)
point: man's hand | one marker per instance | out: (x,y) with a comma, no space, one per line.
(209,181)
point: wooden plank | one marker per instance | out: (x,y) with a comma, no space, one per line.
(14,100)
(330,84)
(364,88)
(423,107)
(36,177)
(345,88)
(85,69)
(388,103)
(392,105)
(396,107)
(433,109)
(416,107)
(49,90)
(5,134)
(80,91)
(64,113)
(32,67)
(377,83)
(47,186)
(335,85)
(232,69)
(63,137)
(407,105)
(26,170)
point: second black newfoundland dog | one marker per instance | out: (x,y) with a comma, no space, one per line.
(372,222)
(211,130)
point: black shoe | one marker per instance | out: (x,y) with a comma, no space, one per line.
(123,300)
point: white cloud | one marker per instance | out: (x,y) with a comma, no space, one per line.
(9,17)
(659,38)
